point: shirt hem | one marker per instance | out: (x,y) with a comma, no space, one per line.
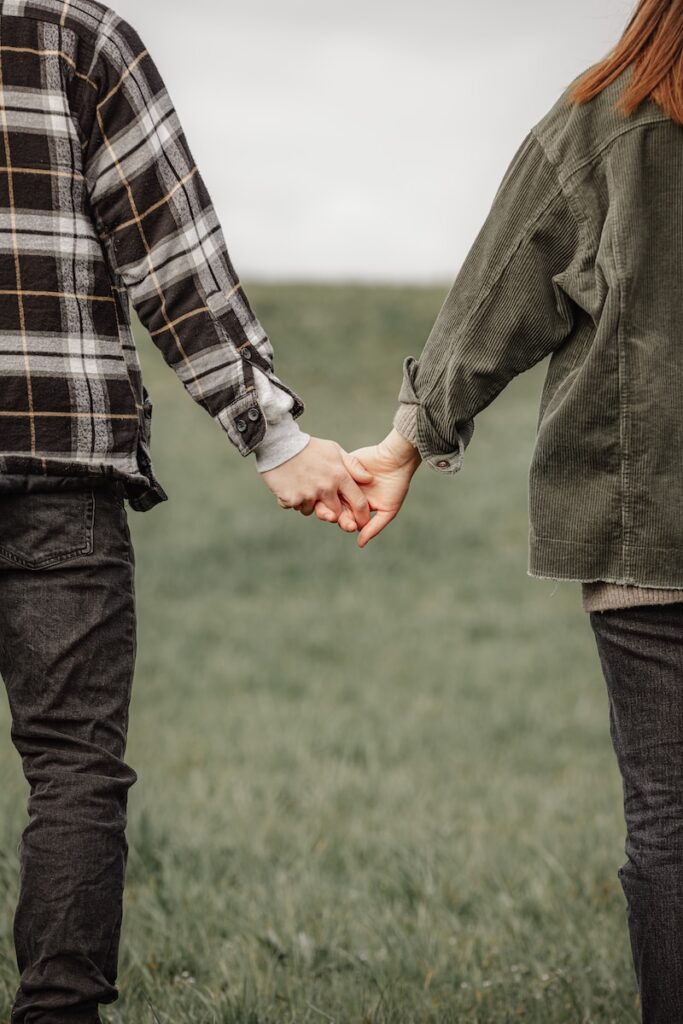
(21,473)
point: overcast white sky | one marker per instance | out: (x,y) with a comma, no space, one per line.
(363,139)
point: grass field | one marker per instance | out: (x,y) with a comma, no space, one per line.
(374,787)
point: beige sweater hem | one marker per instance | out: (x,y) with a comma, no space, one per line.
(601,597)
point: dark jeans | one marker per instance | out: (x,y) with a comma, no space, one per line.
(67,650)
(641,651)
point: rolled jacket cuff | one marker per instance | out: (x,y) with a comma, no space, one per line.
(444,454)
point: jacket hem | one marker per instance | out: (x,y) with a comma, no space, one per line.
(576,562)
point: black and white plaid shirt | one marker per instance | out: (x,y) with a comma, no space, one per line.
(101,201)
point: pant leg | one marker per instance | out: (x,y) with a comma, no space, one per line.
(67,650)
(641,652)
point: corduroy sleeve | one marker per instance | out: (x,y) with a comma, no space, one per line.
(508,308)
(164,241)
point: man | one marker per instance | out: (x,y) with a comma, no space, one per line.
(100,201)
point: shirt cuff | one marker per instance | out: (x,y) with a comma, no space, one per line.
(283,440)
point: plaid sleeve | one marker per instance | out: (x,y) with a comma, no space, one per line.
(164,241)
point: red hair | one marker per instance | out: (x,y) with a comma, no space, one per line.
(653,44)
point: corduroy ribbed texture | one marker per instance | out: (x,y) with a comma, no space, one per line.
(596,596)
(580,260)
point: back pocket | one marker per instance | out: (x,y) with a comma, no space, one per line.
(39,531)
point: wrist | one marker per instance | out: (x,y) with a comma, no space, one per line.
(401,451)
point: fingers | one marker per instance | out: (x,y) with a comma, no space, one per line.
(324,514)
(347,522)
(380,522)
(345,519)
(356,501)
(341,501)
(333,502)
(306,508)
(356,469)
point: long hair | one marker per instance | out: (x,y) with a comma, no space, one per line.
(653,45)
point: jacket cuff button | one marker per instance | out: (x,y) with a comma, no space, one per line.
(241,425)
(254,415)
(443,464)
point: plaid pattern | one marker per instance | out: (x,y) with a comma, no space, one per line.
(101,203)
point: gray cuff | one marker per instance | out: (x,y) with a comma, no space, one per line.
(405,421)
(284,439)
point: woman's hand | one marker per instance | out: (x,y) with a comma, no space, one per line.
(392,464)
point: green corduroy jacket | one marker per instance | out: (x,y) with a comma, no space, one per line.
(580,258)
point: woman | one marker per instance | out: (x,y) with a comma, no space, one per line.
(581,257)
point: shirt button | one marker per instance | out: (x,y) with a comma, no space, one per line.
(241,426)
(246,352)
(254,415)
(443,464)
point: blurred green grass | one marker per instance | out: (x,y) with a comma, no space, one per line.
(374,787)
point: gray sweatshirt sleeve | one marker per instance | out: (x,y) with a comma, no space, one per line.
(284,438)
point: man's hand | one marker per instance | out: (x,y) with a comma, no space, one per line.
(392,463)
(323,473)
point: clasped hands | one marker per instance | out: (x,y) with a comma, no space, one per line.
(362,491)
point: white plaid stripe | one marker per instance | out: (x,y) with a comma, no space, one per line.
(68,223)
(60,247)
(132,149)
(170,257)
(61,346)
(79,366)
(40,122)
(36,100)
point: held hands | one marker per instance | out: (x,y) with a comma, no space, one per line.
(323,473)
(345,489)
(392,463)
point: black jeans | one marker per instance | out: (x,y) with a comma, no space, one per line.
(67,651)
(641,651)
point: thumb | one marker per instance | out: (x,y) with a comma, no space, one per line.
(378,523)
(356,469)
